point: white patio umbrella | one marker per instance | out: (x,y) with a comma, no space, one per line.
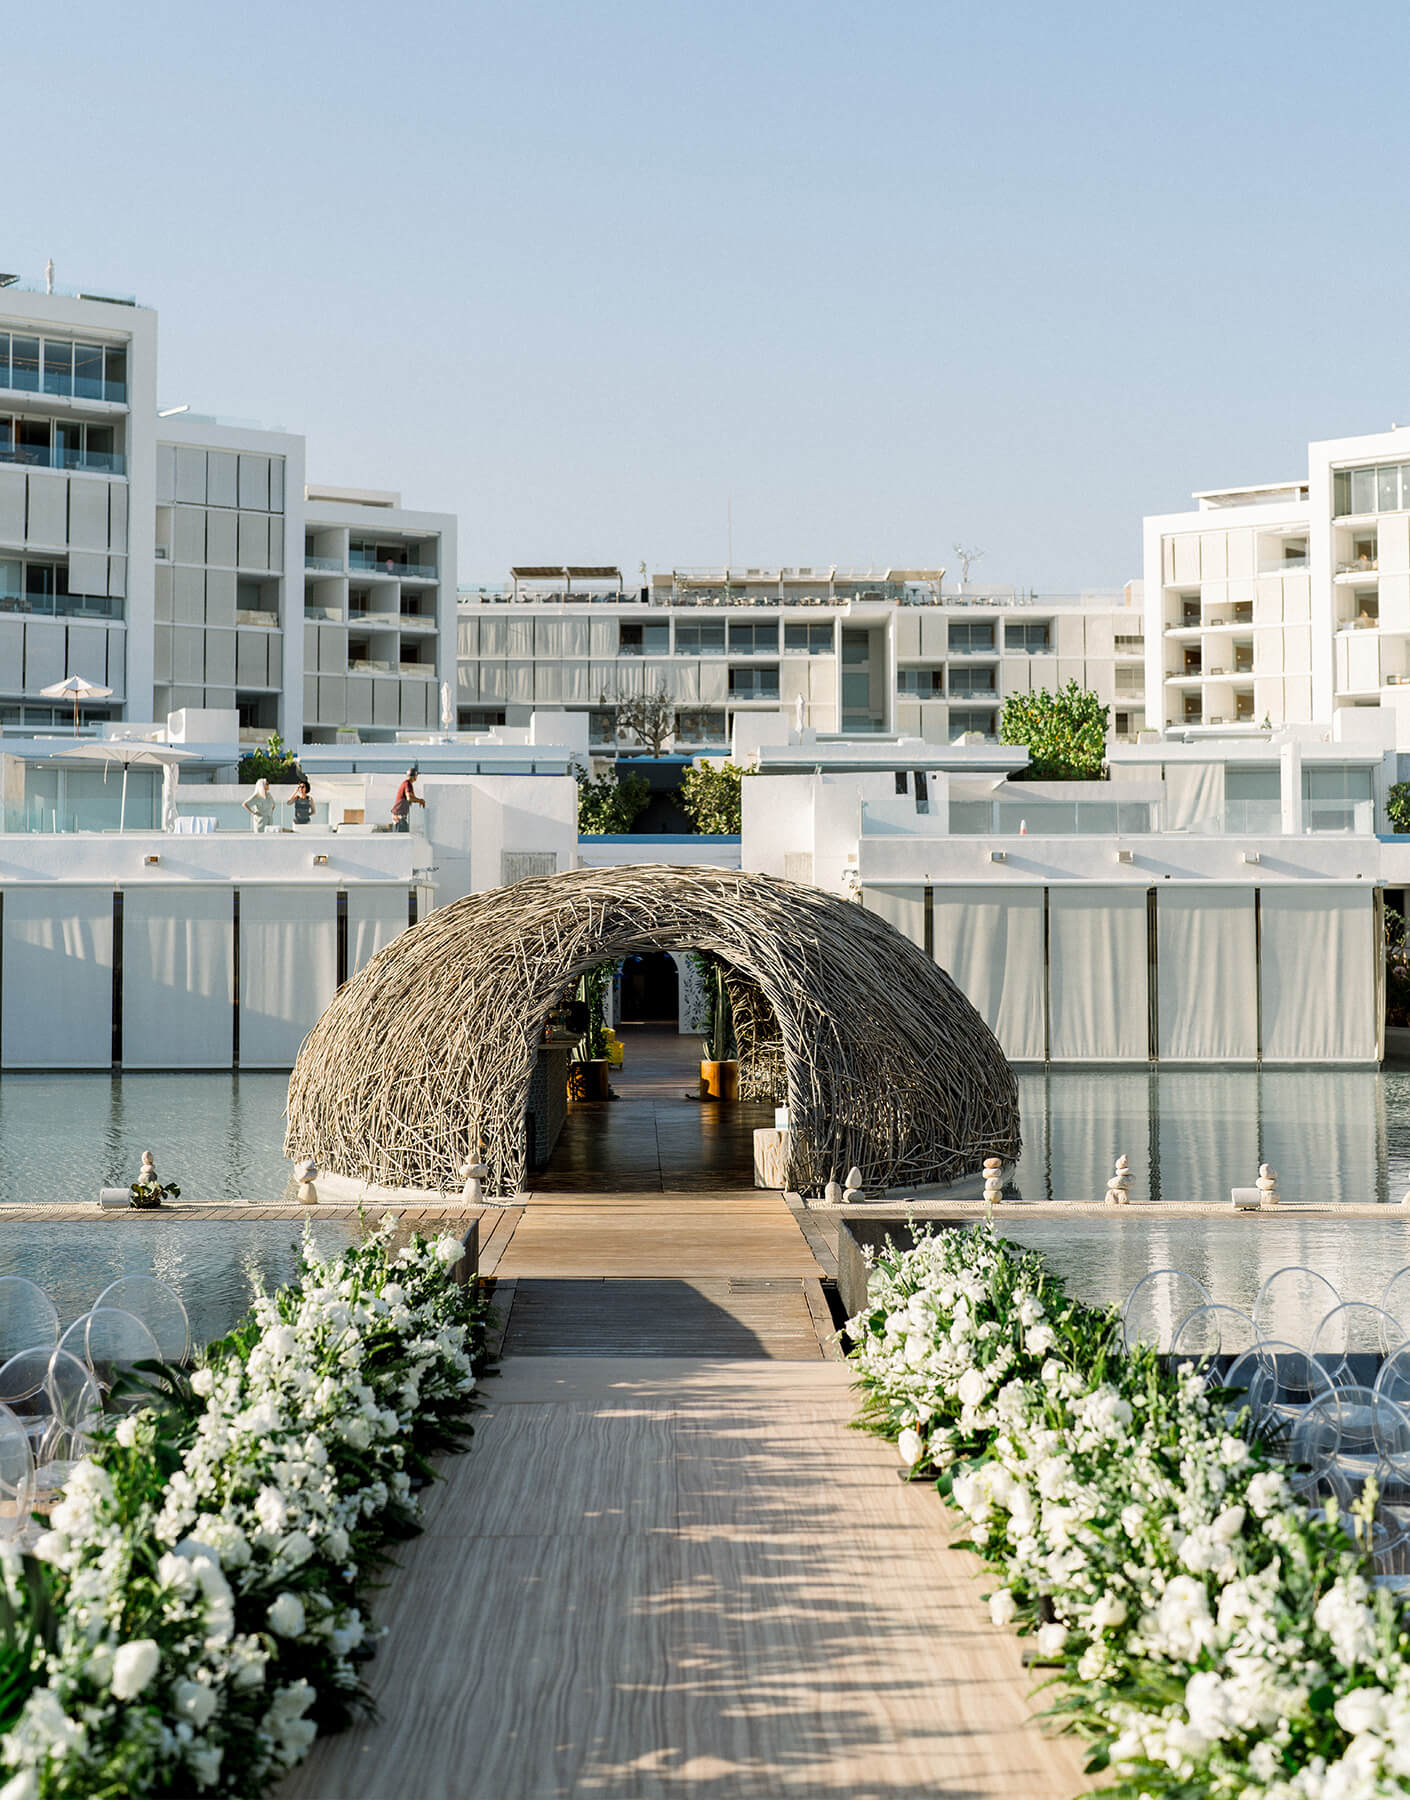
(448,713)
(171,780)
(127,752)
(75,688)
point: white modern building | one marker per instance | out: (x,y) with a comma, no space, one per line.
(185,562)
(851,652)
(1287,602)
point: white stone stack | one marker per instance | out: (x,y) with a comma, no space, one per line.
(854,1192)
(1118,1187)
(473,1175)
(832,1193)
(308,1193)
(993,1180)
(1267,1185)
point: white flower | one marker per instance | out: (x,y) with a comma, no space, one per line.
(270,1509)
(24,1786)
(134,1665)
(1346,1621)
(1051,1639)
(910,1446)
(448,1251)
(1266,1493)
(1003,1608)
(194,1700)
(1207,1704)
(203,1381)
(1039,1339)
(1363,1709)
(1108,1613)
(286,1616)
(1233,1452)
(1182,1625)
(204,1764)
(973,1385)
(51,1546)
(126,1433)
(1229,1524)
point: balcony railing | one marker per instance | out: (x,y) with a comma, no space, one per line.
(1362,565)
(44,456)
(76,387)
(405,571)
(63,606)
(324,565)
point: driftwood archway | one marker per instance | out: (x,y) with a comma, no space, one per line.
(422,1062)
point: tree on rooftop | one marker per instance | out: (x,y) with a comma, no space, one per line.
(709,795)
(608,806)
(1064,733)
(645,719)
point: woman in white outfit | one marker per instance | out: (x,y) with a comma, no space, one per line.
(260,806)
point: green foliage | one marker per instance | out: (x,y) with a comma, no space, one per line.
(719,1045)
(1065,733)
(610,806)
(1398,806)
(274,761)
(593,991)
(147,1194)
(710,797)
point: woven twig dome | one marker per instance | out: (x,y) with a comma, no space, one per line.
(422,1062)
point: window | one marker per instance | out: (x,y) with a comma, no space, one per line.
(1034,639)
(701,640)
(1189,609)
(1382,489)
(643,639)
(1130,680)
(971,681)
(24,364)
(926,684)
(972,639)
(760,683)
(60,444)
(1243,708)
(60,366)
(700,725)
(1338,800)
(1193,662)
(856,649)
(753,640)
(966,719)
(1130,646)
(480,718)
(1194,709)
(812,640)
(42,588)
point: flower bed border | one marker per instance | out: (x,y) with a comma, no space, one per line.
(1205,1634)
(195,1613)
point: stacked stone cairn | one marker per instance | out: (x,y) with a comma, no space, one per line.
(854,1191)
(1118,1187)
(993,1180)
(1267,1185)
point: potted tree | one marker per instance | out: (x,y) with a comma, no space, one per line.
(587,1073)
(719,1064)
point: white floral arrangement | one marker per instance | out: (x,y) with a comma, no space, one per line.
(1207,1635)
(194,1613)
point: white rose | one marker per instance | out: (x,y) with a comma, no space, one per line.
(910,1447)
(1229,1524)
(194,1700)
(134,1665)
(1207,1703)
(1232,1452)
(126,1433)
(270,1509)
(202,1381)
(1266,1493)
(51,1546)
(448,1251)
(24,1786)
(204,1764)
(296,1548)
(1051,1639)
(1039,1340)
(1363,1709)
(972,1387)
(1003,1608)
(286,1616)
(1108,1613)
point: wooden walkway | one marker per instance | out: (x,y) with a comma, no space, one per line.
(668,1567)
(682,1577)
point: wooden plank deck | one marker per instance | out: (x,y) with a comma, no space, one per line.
(683,1577)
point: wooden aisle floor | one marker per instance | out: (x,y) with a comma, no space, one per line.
(686,1577)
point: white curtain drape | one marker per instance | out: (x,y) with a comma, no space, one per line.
(903,907)
(1194,797)
(1319,974)
(57,1010)
(1207,993)
(178,978)
(990,943)
(375,916)
(288,970)
(1097,974)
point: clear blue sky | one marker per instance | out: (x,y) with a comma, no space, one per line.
(885,275)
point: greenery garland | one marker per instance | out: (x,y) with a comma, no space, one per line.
(1208,1635)
(195,1612)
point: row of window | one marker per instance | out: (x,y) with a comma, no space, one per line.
(42,588)
(73,371)
(60,444)
(711,639)
(1382,489)
(929,684)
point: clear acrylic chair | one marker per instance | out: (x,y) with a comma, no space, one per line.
(27,1316)
(1292,1303)
(1158,1305)
(108,1341)
(1211,1331)
(1351,1341)
(160,1309)
(1277,1383)
(16,1474)
(1395,1300)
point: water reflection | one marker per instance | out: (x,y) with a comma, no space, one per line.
(1334,1135)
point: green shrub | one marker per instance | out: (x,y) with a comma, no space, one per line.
(1064,733)
(710,798)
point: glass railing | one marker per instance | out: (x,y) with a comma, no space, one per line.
(26,381)
(1361,565)
(326,565)
(43,456)
(405,571)
(1253,818)
(63,606)
(1354,816)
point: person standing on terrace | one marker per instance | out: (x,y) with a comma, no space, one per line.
(260,806)
(407,797)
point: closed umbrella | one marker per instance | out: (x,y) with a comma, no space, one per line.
(75,688)
(448,715)
(127,752)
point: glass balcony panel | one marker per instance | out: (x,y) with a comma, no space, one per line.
(24,364)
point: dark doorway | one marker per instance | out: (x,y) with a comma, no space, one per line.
(650,990)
